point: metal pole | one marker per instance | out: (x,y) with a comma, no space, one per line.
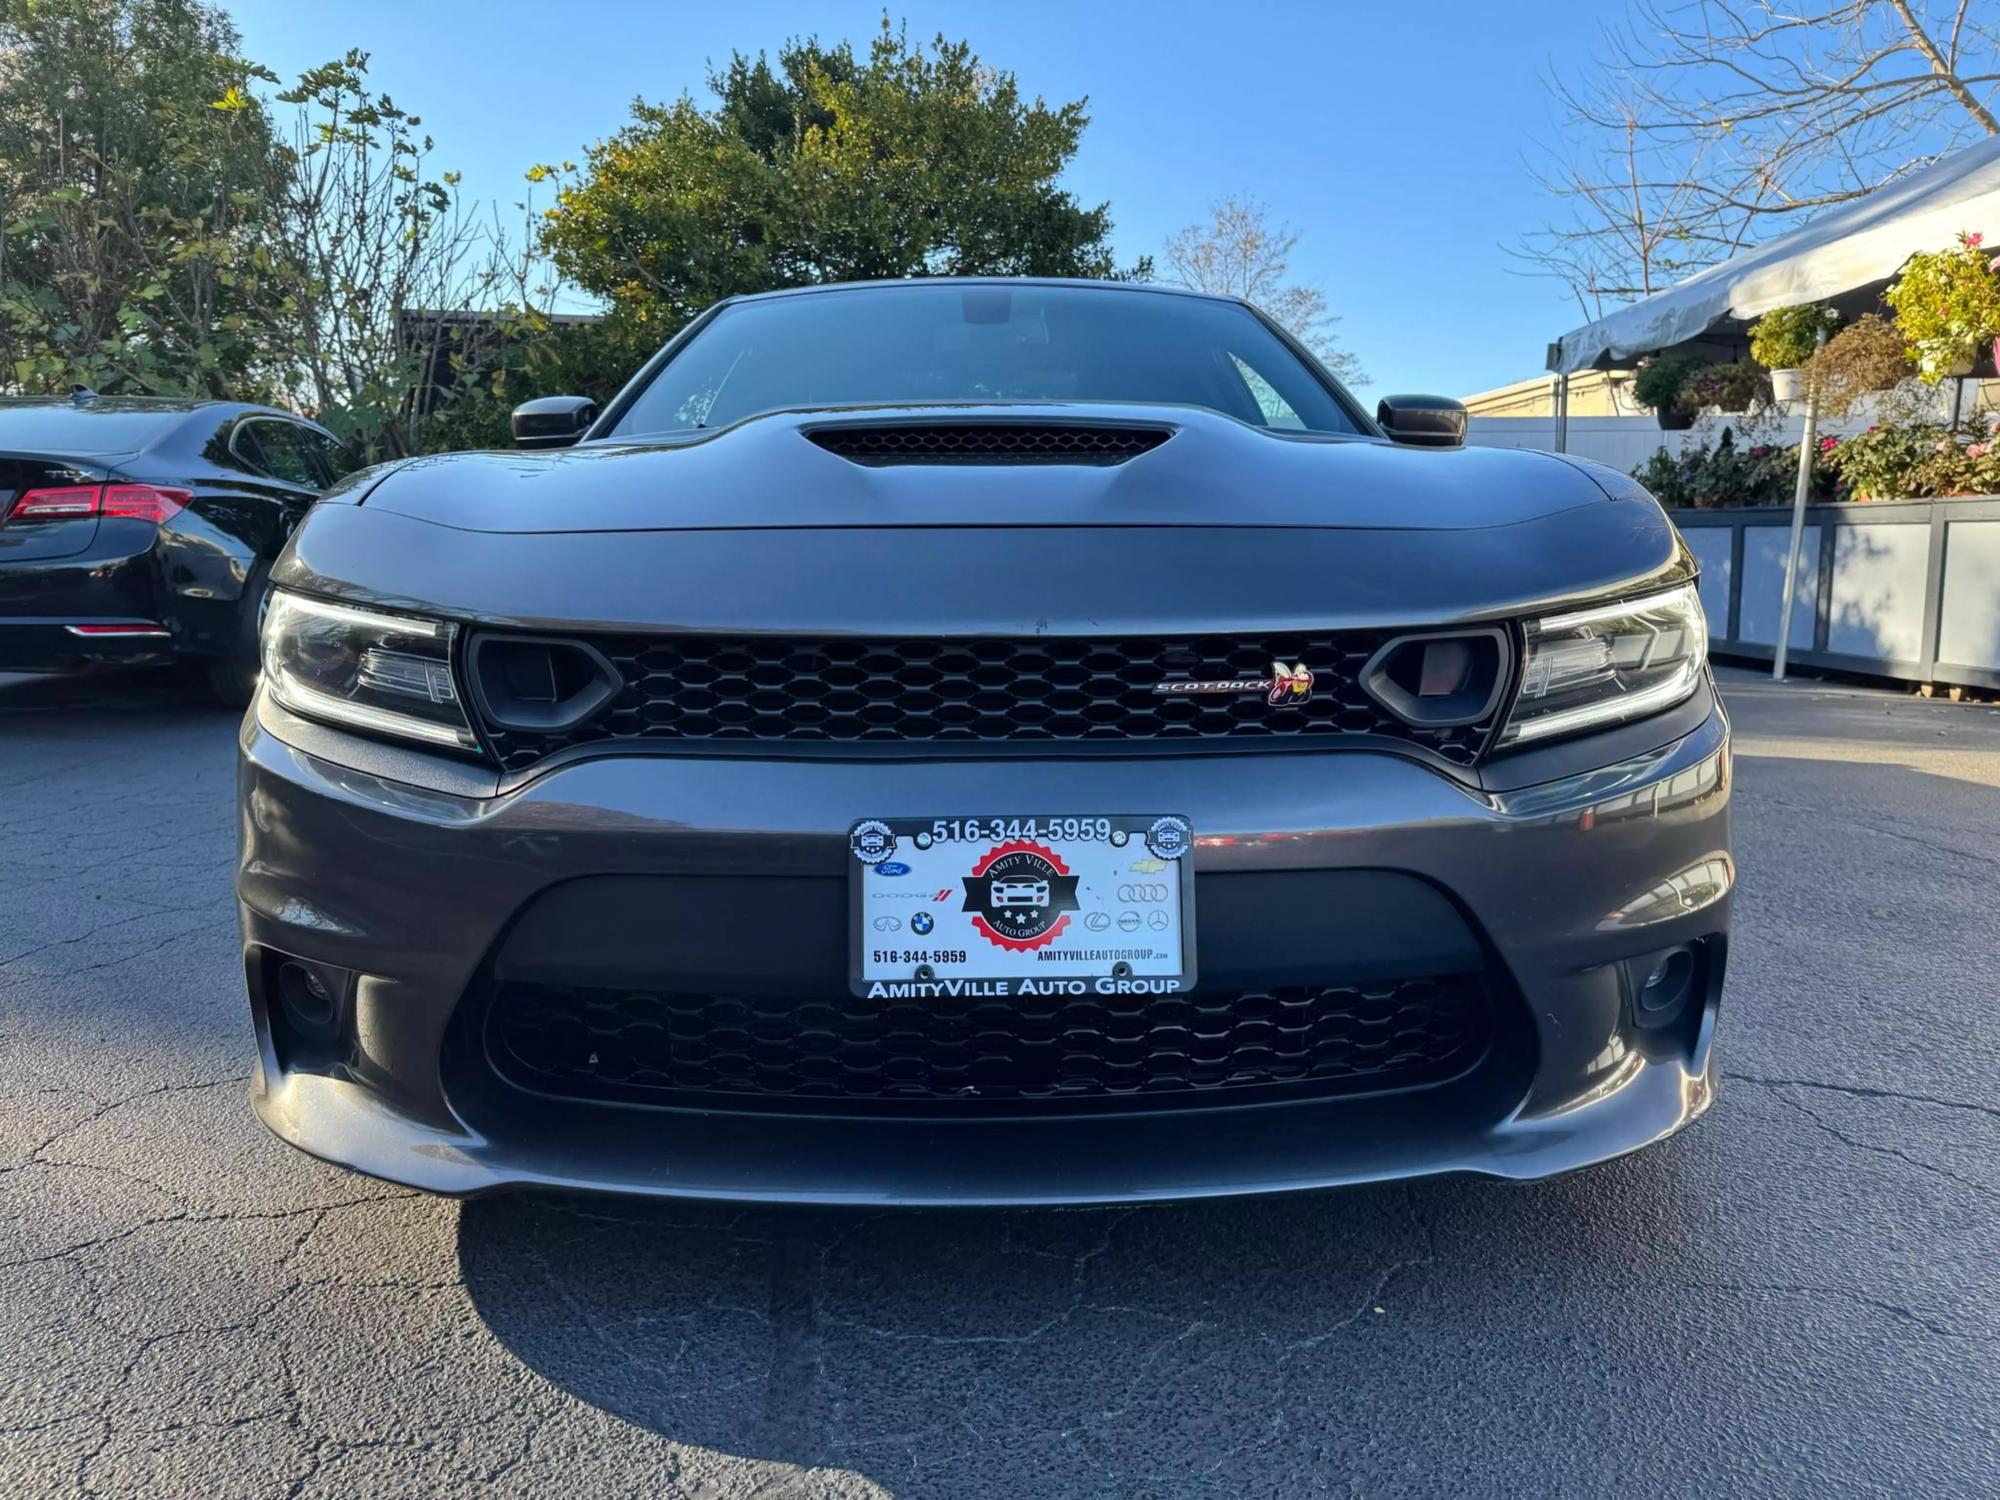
(1562,412)
(1806,444)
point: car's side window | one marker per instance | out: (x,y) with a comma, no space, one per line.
(334,459)
(1276,409)
(284,455)
(244,449)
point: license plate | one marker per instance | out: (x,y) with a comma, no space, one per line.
(1003,906)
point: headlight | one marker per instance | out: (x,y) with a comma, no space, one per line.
(1603,666)
(387,673)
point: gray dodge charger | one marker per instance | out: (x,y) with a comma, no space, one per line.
(983,741)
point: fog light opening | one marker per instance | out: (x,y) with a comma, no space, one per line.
(308,1001)
(1667,983)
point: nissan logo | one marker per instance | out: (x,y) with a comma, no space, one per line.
(1147,892)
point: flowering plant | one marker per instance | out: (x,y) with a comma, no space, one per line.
(1947,303)
(1918,461)
(1723,475)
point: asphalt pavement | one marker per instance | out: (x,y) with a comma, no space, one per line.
(1801,1294)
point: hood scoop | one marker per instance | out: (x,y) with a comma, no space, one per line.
(1097,443)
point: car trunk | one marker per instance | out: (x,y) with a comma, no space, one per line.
(43,540)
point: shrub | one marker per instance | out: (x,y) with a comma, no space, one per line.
(1866,356)
(1725,475)
(1919,461)
(1785,338)
(1947,303)
(1663,379)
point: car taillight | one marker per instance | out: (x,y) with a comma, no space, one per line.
(139,502)
(53,504)
(145,502)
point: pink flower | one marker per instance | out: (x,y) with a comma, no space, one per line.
(1977,450)
(1828,444)
(1872,427)
(1759,451)
(1971,241)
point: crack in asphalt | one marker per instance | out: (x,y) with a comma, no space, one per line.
(1903,1156)
(100,930)
(1884,830)
(1734,1075)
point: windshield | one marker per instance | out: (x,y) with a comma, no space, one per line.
(916,343)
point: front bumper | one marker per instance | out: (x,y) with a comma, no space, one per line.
(1562,886)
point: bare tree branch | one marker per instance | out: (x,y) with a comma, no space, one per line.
(1712,124)
(1238,253)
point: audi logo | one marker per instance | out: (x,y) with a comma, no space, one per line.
(1136,893)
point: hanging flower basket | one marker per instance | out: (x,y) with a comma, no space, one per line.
(1947,304)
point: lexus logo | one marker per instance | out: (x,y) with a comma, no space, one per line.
(1288,683)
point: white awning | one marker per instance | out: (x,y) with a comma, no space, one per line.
(1846,248)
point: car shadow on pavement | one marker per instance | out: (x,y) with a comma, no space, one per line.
(882,1340)
(96,700)
(905,1346)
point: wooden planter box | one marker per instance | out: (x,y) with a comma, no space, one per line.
(1903,589)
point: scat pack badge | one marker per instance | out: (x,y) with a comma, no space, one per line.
(1289,682)
(1020,895)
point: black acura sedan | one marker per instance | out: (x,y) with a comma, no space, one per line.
(138,530)
(983,741)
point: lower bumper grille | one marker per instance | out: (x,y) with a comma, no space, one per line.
(840,1053)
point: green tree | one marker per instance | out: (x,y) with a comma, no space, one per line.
(827,167)
(133,186)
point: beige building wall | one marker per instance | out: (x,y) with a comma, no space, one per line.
(1592,393)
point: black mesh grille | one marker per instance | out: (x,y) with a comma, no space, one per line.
(1026,1052)
(1012,694)
(990,443)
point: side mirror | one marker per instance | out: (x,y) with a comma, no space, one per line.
(1422,421)
(552,421)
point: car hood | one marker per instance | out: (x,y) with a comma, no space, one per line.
(1233,531)
(769,472)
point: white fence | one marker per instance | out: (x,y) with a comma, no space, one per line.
(1624,442)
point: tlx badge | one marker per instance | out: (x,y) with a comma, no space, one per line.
(1286,684)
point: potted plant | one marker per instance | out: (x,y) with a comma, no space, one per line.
(1864,357)
(1735,387)
(1947,304)
(1662,384)
(1783,341)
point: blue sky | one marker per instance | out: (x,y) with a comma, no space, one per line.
(1396,139)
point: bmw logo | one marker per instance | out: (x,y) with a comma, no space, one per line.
(922,923)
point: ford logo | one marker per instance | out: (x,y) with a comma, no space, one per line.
(892,867)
